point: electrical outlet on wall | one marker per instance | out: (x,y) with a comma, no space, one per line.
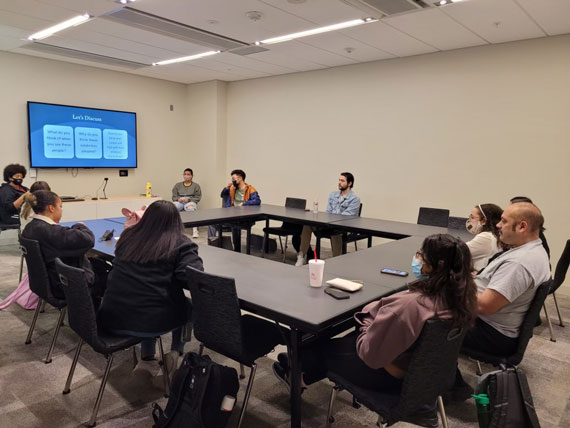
(123,173)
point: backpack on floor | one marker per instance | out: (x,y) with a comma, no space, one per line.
(202,395)
(510,399)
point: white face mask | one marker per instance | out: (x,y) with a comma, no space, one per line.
(473,227)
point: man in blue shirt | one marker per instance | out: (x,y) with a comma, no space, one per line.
(343,201)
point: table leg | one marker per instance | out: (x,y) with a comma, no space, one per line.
(220,236)
(295,398)
(236,235)
(344,237)
(248,240)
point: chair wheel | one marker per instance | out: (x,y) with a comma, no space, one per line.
(27,342)
(242,376)
(66,391)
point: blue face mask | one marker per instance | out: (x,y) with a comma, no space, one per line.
(417,265)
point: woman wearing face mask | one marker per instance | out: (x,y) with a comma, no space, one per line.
(70,244)
(12,194)
(376,356)
(482,223)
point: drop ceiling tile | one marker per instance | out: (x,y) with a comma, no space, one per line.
(553,16)
(322,12)
(248,62)
(93,7)
(310,53)
(11,37)
(389,39)
(230,16)
(496,21)
(436,29)
(211,63)
(340,44)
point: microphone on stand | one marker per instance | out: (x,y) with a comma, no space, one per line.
(106,179)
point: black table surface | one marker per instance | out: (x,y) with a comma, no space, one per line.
(396,228)
(365,265)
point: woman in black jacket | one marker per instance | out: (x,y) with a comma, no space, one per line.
(144,295)
(70,244)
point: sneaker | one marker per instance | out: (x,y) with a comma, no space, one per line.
(423,418)
(300,259)
(281,374)
(195,233)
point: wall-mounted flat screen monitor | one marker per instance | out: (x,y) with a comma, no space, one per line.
(63,136)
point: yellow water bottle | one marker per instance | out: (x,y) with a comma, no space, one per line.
(148,189)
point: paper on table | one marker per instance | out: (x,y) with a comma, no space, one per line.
(345,284)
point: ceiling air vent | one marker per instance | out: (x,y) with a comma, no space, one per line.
(85,56)
(156,24)
(379,8)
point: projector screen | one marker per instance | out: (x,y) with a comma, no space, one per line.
(78,137)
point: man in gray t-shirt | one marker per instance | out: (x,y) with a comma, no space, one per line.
(506,287)
(187,194)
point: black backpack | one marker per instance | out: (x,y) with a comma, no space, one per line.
(510,399)
(198,390)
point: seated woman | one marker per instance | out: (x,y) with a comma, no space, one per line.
(376,356)
(70,244)
(144,295)
(482,223)
(12,194)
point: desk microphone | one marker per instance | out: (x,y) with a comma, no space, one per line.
(106,180)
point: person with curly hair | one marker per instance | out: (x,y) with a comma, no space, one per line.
(12,193)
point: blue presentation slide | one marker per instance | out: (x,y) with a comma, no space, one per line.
(78,137)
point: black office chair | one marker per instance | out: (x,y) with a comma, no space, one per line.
(40,285)
(285,229)
(351,237)
(457,223)
(559,277)
(219,325)
(430,373)
(82,320)
(433,217)
(525,334)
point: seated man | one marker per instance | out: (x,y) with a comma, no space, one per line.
(506,287)
(186,195)
(12,194)
(343,201)
(236,194)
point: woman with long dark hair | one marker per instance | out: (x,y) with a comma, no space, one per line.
(144,295)
(482,223)
(376,356)
(12,193)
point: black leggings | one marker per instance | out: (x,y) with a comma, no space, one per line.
(339,356)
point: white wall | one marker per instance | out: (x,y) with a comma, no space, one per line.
(162,150)
(450,130)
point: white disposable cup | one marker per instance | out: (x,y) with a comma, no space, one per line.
(316,270)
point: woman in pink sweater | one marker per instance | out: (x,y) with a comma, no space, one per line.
(376,355)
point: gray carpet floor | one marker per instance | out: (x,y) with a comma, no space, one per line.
(30,391)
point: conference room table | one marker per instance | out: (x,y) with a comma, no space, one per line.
(345,224)
(281,292)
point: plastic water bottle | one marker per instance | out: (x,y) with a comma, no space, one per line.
(148,189)
(483,409)
(316,207)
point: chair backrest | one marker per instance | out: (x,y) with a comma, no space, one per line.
(216,315)
(433,364)
(433,217)
(37,270)
(80,309)
(561,268)
(295,203)
(457,223)
(360,209)
(529,322)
